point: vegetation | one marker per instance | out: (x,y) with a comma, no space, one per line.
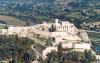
(44,10)
(17,49)
(94,37)
(69,57)
(52,29)
(3,26)
(76,11)
(46,41)
(11,21)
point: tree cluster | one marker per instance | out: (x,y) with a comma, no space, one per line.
(69,57)
(16,48)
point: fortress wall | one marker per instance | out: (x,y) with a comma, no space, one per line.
(83,46)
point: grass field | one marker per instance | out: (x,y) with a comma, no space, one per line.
(95,38)
(11,21)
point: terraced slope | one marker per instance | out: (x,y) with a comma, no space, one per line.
(11,21)
(95,38)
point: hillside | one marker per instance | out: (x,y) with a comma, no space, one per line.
(77,11)
(11,21)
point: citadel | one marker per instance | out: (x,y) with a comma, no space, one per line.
(64,32)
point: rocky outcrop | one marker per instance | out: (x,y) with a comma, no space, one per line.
(48,50)
(84,36)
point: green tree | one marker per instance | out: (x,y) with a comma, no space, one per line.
(52,29)
(52,57)
(88,56)
(27,23)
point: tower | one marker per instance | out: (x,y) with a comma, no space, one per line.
(56,22)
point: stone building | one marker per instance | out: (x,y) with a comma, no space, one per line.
(65,26)
(66,34)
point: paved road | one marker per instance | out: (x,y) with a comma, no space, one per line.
(92,31)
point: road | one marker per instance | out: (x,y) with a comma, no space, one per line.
(92,31)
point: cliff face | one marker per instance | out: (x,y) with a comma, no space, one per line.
(84,36)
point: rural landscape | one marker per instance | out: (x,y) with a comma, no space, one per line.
(49,31)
